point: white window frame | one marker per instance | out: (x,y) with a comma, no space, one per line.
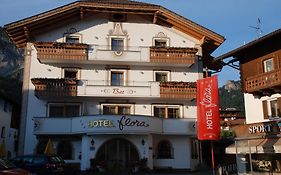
(265,62)
(121,71)
(165,72)
(78,75)
(76,35)
(180,107)
(132,107)
(64,104)
(269,107)
(161,39)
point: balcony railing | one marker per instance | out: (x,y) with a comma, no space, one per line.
(172,55)
(264,83)
(61,51)
(54,87)
(178,90)
(53,52)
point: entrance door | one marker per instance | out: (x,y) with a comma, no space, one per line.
(117,154)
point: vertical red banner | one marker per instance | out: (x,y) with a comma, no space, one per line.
(208,118)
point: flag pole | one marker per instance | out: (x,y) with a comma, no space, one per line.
(212,142)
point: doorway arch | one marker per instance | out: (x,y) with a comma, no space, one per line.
(117,154)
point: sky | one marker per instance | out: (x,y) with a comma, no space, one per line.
(235,20)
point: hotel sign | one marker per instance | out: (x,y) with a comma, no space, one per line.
(122,123)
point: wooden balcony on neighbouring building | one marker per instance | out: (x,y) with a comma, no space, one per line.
(180,90)
(264,84)
(47,88)
(173,55)
(61,51)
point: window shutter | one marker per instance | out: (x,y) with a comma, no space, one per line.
(265,110)
(279,106)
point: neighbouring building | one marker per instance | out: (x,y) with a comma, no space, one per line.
(258,143)
(113,83)
(8,133)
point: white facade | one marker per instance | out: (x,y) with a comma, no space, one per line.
(254,109)
(116,111)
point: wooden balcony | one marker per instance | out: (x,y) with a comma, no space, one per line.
(178,90)
(47,88)
(47,51)
(173,55)
(264,84)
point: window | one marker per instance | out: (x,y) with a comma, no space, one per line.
(64,150)
(160,43)
(116,110)
(64,110)
(268,65)
(166,111)
(72,38)
(117,78)
(117,44)
(272,108)
(72,73)
(3,132)
(161,76)
(164,150)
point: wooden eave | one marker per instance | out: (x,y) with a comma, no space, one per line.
(18,31)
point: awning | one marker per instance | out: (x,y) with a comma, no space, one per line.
(268,145)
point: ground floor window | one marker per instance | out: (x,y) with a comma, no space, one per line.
(65,150)
(164,150)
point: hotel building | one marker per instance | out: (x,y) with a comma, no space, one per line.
(113,81)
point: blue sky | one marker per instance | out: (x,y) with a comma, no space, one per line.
(229,18)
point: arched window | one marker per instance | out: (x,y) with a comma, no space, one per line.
(165,150)
(64,150)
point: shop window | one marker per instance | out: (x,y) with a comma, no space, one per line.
(64,110)
(166,111)
(3,132)
(65,150)
(116,110)
(164,150)
(268,65)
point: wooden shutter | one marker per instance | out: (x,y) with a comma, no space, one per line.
(265,110)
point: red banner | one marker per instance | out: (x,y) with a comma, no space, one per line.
(208,118)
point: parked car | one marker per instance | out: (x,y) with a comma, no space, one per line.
(8,168)
(40,164)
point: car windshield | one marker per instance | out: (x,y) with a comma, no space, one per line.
(5,164)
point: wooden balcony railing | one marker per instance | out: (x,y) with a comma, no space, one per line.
(181,90)
(172,55)
(61,51)
(264,83)
(45,88)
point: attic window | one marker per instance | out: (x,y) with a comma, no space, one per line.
(118,17)
(73,38)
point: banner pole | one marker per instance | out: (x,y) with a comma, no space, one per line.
(213,158)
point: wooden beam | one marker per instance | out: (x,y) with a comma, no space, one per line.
(155,17)
(26,33)
(81,13)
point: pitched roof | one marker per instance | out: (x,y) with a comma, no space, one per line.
(22,31)
(275,35)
